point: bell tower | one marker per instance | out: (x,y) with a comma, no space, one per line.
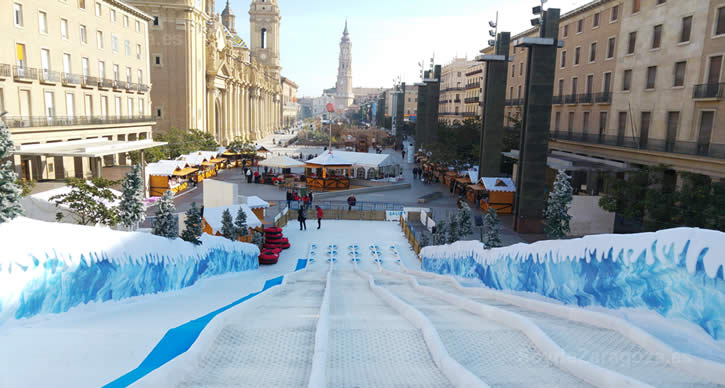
(264,22)
(228,19)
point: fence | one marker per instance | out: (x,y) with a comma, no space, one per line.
(410,234)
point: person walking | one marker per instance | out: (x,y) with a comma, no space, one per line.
(302,218)
(289,198)
(249,175)
(319,216)
(351,201)
(403,154)
(415,172)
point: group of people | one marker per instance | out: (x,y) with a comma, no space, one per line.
(248,173)
(304,201)
(302,217)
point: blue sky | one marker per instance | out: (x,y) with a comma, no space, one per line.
(389,37)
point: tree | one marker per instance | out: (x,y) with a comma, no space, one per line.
(10,192)
(192,224)
(228,230)
(180,142)
(557,207)
(132,209)
(424,239)
(166,223)
(439,237)
(625,195)
(240,224)
(453,229)
(492,224)
(695,198)
(26,186)
(258,239)
(464,221)
(89,202)
(717,207)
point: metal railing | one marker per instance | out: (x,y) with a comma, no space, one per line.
(708,91)
(88,81)
(58,121)
(452,89)
(471,100)
(25,73)
(105,83)
(570,99)
(130,86)
(708,149)
(473,85)
(557,100)
(603,98)
(71,79)
(469,114)
(118,85)
(586,98)
(142,88)
(342,205)
(4,70)
(49,76)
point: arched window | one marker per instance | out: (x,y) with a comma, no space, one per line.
(264,38)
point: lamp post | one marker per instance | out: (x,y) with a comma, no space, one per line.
(330,109)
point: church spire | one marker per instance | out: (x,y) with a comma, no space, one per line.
(345,32)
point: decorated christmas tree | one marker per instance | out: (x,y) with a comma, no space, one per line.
(240,224)
(228,230)
(492,224)
(557,207)
(132,209)
(166,223)
(193,225)
(453,229)
(465,225)
(10,192)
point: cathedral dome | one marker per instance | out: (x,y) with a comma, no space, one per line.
(227,10)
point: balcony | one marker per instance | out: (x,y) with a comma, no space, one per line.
(452,89)
(457,100)
(4,70)
(712,150)
(143,88)
(131,87)
(708,91)
(473,85)
(49,77)
(557,100)
(514,102)
(603,98)
(22,73)
(69,79)
(570,99)
(119,85)
(105,83)
(471,100)
(469,114)
(587,98)
(42,121)
(88,81)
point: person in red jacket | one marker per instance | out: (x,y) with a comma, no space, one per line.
(319,216)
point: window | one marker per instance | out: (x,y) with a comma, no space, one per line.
(590,84)
(139,76)
(43,22)
(113,15)
(127,47)
(563,59)
(138,26)
(158,112)
(84,65)
(18,14)
(579,26)
(635,6)
(156,20)
(703,137)
(82,4)
(627,80)
(125,20)
(632,42)
(104,106)
(115,73)
(140,107)
(83,34)
(49,105)
(66,64)
(157,60)
(651,77)
(138,51)
(602,124)
(615,14)
(686,29)
(661,2)
(64,29)
(566,31)
(511,92)
(585,122)
(719,23)
(101,69)
(679,76)
(561,87)
(70,105)
(607,82)
(673,121)
(611,45)
(45,62)
(573,85)
(593,52)
(114,43)
(644,129)
(595,20)
(557,121)
(129,107)
(513,70)
(577,52)
(521,68)
(519,92)
(657,37)
(570,124)
(713,72)
(99,39)
(117,106)
(88,105)
(99,10)
(621,127)
(128,74)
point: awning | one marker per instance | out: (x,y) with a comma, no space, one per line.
(218,160)
(499,184)
(89,148)
(281,162)
(208,164)
(463,180)
(185,172)
(476,188)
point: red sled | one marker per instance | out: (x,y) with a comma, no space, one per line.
(268,258)
(285,246)
(273,230)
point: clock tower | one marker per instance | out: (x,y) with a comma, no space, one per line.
(264,22)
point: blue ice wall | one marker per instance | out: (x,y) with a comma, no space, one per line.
(681,277)
(56,287)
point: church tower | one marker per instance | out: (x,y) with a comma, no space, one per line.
(264,22)
(228,19)
(344,97)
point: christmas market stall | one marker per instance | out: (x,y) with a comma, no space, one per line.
(280,169)
(498,194)
(329,171)
(174,175)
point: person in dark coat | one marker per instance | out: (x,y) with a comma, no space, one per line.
(302,218)
(319,216)
(351,201)
(289,198)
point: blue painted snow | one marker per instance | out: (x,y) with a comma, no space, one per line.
(179,339)
(678,278)
(56,287)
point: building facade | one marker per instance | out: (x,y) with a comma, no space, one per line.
(453,88)
(637,81)
(290,107)
(474,89)
(206,77)
(73,73)
(344,96)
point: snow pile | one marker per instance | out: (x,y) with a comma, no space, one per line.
(50,267)
(677,272)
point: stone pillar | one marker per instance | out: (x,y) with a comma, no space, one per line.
(534,146)
(494,95)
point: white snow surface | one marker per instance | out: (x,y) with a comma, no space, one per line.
(213,216)
(46,195)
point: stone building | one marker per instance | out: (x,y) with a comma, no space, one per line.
(290,107)
(473,106)
(637,82)
(206,77)
(453,88)
(343,89)
(74,81)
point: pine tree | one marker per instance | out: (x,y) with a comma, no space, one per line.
(240,224)
(557,207)
(88,202)
(464,221)
(258,239)
(453,229)
(132,209)
(228,225)
(166,223)
(192,231)
(492,224)
(424,240)
(439,237)
(10,192)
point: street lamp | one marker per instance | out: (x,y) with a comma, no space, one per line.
(494,31)
(330,109)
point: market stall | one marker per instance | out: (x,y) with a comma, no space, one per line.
(498,194)
(174,175)
(282,163)
(329,171)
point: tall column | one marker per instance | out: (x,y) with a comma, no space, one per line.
(238,111)
(494,94)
